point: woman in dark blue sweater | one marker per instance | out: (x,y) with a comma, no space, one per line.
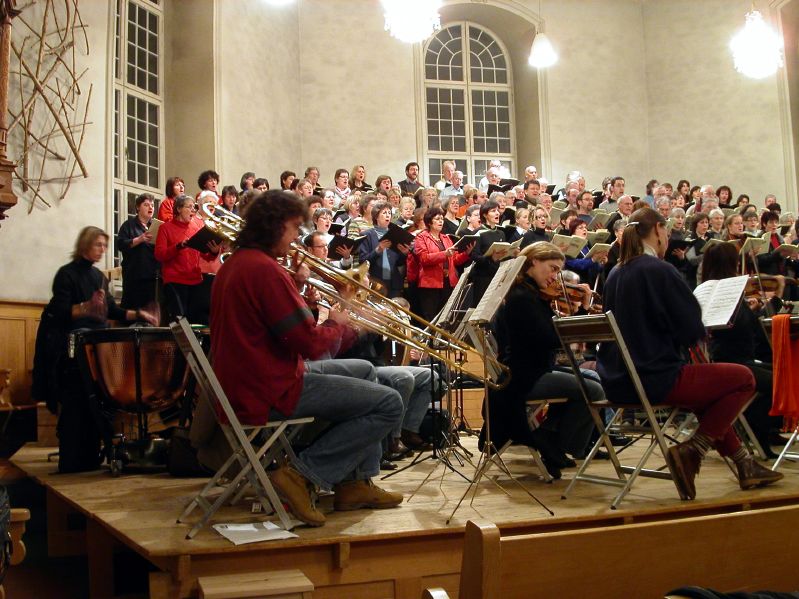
(660,318)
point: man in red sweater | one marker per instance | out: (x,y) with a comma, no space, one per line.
(261,334)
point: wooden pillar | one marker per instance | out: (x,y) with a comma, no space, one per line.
(7,198)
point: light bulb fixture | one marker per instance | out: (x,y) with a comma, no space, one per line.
(412,21)
(757,48)
(542,53)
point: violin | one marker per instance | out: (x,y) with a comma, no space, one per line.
(563,297)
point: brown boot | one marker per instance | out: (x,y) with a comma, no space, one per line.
(359,494)
(293,488)
(684,461)
(751,474)
(414,441)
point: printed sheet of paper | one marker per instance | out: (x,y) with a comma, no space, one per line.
(254,532)
(719,300)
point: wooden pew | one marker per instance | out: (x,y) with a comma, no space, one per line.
(742,551)
(19,516)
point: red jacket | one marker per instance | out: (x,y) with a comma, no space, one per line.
(261,331)
(432,259)
(179,265)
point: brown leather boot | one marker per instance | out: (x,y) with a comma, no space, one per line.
(359,494)
(293,488)
(684,461)
(414,441)
(751,474)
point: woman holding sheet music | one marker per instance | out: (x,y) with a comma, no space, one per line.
(485,267)
(180,264)
(660,318)
(527,343)
(438,263)
(386,262)
(586,268)
(744,343)
(137,245)
(699,237)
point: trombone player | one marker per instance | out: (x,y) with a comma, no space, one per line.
(261,333)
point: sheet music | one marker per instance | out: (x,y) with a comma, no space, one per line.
(719,300)
(497,290)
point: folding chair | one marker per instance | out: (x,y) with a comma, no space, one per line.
(240,438)
(536,407)
(602,328)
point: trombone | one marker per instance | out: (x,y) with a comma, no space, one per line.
(381,315)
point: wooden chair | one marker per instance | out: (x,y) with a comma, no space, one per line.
(602,328)
(19,516)
(250,460)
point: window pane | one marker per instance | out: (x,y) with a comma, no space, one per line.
(444,55)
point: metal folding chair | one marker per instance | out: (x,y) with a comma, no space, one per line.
(602,328)
(536,406)
(251,459)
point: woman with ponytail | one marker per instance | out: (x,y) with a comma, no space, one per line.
(660,319)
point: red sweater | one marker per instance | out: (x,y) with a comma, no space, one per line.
(178,265)
(261,331)
(166,210)
(432,259)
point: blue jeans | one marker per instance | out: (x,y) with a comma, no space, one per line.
(359,369)
(414,385)
(362,414)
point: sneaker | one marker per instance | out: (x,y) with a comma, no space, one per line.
(293,488)
(360,494)
(751,474)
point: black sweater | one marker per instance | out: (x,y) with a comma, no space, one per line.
(75,283)
(658,317)
(138,263)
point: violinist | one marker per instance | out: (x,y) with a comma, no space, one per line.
(525,315)
(659,318)
(744,343)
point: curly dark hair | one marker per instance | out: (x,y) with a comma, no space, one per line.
(431,214)
(206,176)
(266,218)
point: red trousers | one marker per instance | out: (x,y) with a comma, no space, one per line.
(716,393)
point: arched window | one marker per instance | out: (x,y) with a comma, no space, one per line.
(468,101)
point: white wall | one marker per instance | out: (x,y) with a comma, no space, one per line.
(597,100)
(357,91)
(707,122)
(257,72)
(35,245)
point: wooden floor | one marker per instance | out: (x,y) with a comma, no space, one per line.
(390,553)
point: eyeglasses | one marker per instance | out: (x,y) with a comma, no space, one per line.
(319,247)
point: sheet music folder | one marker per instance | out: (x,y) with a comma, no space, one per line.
(497,290)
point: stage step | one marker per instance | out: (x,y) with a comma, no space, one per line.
(280,584)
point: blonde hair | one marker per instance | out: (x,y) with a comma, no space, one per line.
(86,239)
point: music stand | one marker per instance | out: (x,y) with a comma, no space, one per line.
(447,319)
(478,331)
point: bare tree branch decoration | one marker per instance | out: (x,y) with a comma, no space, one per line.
(48,104)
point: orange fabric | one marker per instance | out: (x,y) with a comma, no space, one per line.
(786,381)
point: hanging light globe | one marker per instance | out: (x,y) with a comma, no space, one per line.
(412,21)
(542,53)
(757,48)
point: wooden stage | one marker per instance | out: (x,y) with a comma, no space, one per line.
(391,553)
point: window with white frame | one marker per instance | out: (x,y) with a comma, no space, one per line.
(138,106)
(468,101)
